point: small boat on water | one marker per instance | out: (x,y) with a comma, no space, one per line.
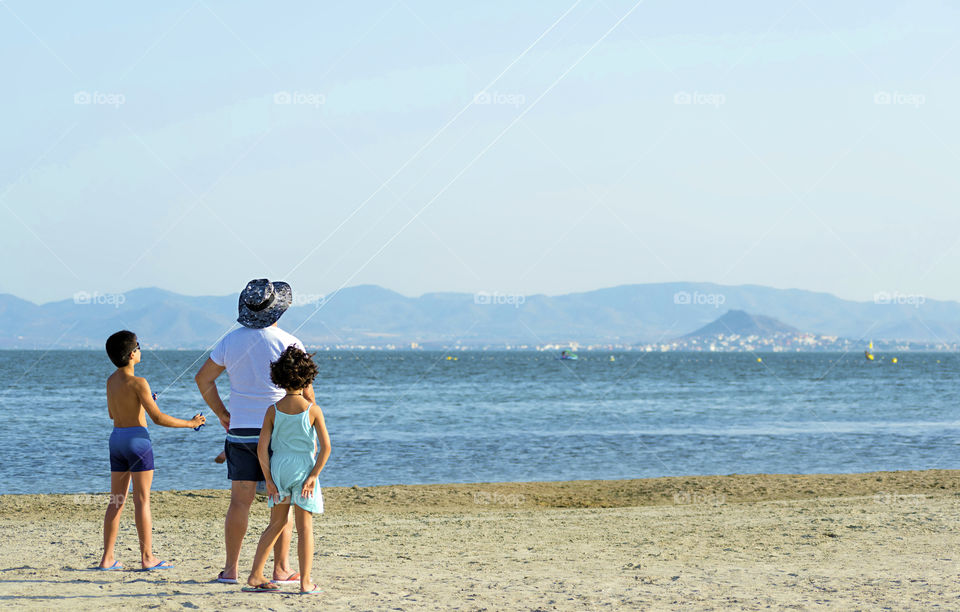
(568,356)
(869,352)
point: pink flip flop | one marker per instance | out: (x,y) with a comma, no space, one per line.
(293,578)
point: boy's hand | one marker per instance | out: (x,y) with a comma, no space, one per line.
(308,486)
(198,420)
(273,492)
(225,421)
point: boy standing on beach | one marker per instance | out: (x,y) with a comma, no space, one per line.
(131,454)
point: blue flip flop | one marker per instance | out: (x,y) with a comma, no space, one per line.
(223,580)
(115,567)
(159,566)
(313,591)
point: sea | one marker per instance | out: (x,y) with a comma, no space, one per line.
(419,417)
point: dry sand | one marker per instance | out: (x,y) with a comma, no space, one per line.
(852,541)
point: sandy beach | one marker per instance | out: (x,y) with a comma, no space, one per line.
(850,541)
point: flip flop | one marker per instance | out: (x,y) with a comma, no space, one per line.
(159,566)
(115,567)
(223,580)
(313,591)
(261,588)
(293,578)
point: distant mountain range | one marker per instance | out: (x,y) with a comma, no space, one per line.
(372,315)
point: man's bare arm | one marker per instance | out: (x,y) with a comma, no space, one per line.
(206,380)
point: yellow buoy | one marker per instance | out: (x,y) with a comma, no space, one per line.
(759,360)
(612,358)
(894,360)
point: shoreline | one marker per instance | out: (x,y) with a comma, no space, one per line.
(833,541)
(663,490)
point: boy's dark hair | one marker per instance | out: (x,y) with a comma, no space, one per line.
(294,369)
(120,347)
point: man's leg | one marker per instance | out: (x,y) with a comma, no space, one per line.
(242,493)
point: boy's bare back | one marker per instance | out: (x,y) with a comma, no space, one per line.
(128,397)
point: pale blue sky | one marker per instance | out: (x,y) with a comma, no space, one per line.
(818,149)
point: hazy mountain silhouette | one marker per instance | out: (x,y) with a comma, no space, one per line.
(744,324)
(369,314)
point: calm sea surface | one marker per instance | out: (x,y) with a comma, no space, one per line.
(418,417)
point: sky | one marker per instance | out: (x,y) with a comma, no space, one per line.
(514,147)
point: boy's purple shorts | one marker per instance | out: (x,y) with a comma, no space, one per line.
(130,450)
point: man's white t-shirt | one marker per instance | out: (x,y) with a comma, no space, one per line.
(246,354)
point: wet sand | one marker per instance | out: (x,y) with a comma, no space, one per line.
(845,541)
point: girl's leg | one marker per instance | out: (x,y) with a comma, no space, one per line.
(278,518)
(141,507)
(281,551)
(119,484)
(305,547)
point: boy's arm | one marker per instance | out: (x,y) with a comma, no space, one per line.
(206,380)
(151,408)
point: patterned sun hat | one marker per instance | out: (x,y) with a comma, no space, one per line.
(262,303)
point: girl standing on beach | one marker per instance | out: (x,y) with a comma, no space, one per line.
(290,429)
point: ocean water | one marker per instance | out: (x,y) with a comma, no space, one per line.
(418,417)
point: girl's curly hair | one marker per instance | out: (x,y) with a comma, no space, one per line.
(294,369)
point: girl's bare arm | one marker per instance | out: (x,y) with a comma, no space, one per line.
(263,444)
(316,416)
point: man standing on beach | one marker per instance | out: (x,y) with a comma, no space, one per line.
(245,354)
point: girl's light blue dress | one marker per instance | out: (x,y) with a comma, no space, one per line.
(294,455)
